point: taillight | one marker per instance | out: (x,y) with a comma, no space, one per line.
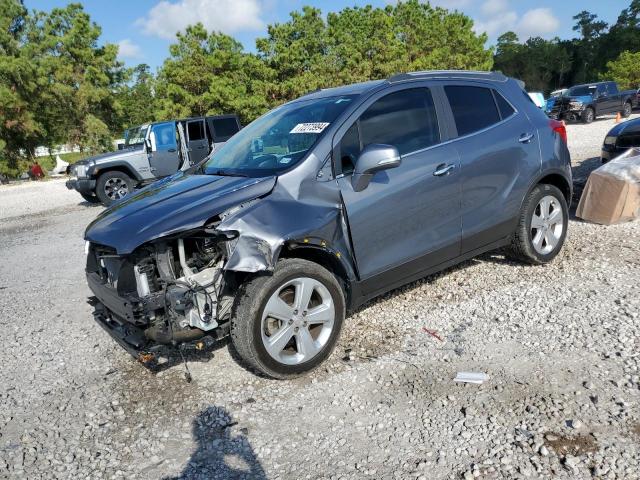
(559,128)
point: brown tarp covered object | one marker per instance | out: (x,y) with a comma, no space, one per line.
(612,192)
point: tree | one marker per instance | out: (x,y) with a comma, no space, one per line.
(625,70)
(208,73)
(137,100)
(56,82)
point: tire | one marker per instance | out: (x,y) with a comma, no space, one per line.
(112,186)
(626,111)
(588,116)
(252,329)
(90,198)
(526,245)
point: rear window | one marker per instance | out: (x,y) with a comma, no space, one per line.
(506,110)
(195,130)
(473,108)
(224,128)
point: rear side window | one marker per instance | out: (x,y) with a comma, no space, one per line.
(506,110)
(224,128)
(195,130)
(473,108)
(405,119)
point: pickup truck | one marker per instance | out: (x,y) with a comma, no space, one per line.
(587,102)
(150,152)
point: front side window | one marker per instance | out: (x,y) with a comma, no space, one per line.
(278,140)
(406,119)
(165,134)
(473,108)
(135,136)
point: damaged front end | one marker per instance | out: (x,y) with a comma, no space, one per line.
(166,292)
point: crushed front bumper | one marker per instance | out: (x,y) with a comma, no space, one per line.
(128,336)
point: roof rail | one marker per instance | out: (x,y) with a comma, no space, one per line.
(401,77)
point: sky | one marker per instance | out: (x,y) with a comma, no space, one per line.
(144,29)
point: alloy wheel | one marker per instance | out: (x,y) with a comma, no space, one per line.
(116,188)
(547,225)
(297,321)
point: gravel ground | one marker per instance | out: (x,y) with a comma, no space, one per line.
(558,342)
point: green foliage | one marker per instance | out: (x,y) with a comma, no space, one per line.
(550,64)
(136,100)
(625,70)
(56,82)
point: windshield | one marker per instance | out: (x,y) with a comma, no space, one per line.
(135,135)
(585,90)
(278,140)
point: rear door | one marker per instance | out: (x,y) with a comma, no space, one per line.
(197,141)
(407,219)
(499,154)
(602,100)
(614,100)
(164,160)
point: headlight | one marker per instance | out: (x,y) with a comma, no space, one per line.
(576,104)
(610,140)
(87,246)
(81,171)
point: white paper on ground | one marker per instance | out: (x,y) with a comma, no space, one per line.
(471,377)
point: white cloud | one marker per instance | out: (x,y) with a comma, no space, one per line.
(498,18)
(497,25)
(229,16)
(537,22)
(128,49)
(494,7)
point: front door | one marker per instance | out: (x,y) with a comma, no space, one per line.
(164,160)
(408,218)
(197,140)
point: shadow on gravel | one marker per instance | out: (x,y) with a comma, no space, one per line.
(220,453)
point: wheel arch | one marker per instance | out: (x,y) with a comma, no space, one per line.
(559,181)
(116,167)
(323,257)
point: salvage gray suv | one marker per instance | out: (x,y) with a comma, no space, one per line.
(324,203)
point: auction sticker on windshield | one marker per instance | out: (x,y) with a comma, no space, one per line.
(309,127)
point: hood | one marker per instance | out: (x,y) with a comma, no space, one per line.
(628,127)
(127,152)
(578,98)
(182,202)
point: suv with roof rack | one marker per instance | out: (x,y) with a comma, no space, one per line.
(323,204)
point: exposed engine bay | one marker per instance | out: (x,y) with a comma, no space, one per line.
(168,292)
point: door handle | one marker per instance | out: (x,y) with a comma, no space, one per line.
(171,150)
(443,169)
(525,137)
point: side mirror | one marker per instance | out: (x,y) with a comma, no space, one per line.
(151,142)
(374,158)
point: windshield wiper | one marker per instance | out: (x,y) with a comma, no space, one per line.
(224,173)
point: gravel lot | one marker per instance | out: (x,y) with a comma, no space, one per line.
(559,343)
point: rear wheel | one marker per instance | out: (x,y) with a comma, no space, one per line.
(626,111)
(112,186)
(588,116)
(288,323)
(542,226)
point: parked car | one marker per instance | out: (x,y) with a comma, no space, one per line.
(620,138)
(553,97)
(150,152)
(324,203)
(637,101)
(538,99)
(587,102)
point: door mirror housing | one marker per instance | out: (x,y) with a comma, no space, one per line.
(373,158)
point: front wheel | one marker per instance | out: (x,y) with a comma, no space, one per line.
(626,111)
(588,116)
(288,323)
(112,186)
(542,226)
